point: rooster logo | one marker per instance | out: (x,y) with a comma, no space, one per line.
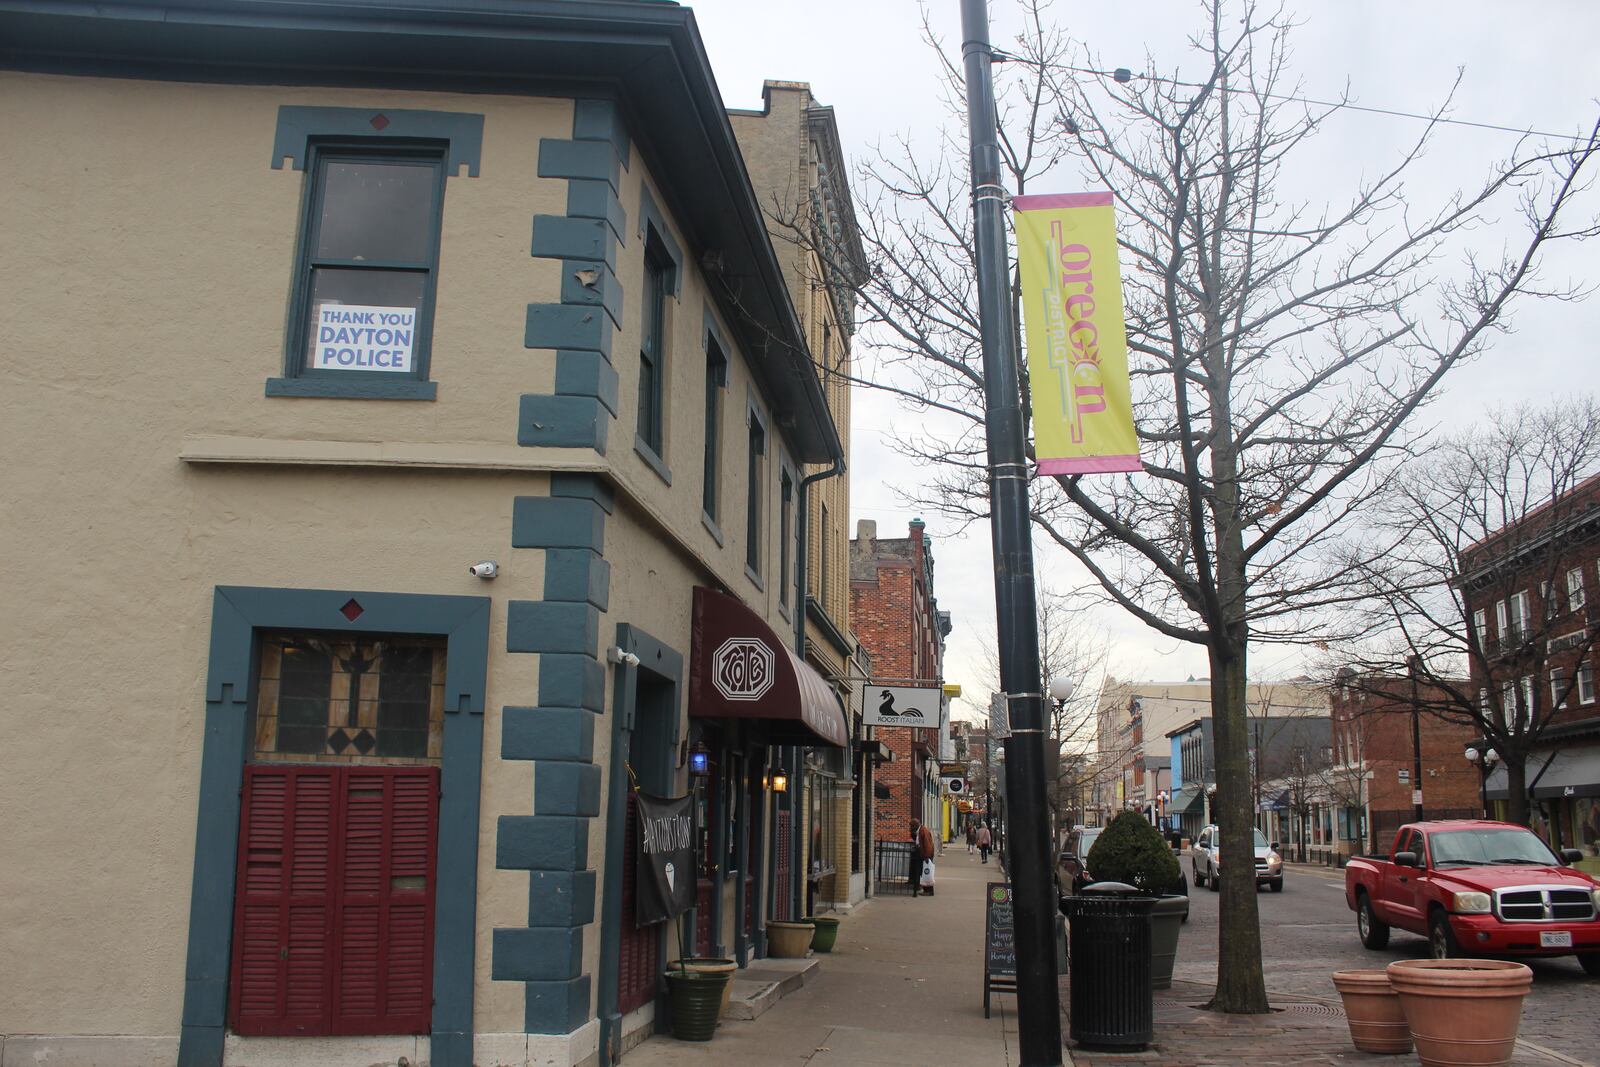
(886,708)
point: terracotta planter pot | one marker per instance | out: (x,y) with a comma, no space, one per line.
(1372,1008)
(710,965)
(789,941)
(1462,1013)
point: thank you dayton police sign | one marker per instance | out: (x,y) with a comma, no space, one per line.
(903,705)
(664,855)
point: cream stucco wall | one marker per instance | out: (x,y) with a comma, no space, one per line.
(149,254)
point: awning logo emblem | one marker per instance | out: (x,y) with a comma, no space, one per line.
(743,668)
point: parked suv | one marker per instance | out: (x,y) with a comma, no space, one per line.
(1204,856)
(1075,856)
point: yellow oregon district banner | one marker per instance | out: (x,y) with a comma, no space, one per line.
(1077,348)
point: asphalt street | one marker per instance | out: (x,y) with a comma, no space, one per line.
(1307,933)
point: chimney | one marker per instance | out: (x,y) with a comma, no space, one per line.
(867,530)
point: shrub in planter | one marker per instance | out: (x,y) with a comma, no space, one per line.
(1132,851)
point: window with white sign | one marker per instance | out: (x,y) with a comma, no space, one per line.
(362,312)
(1575,597)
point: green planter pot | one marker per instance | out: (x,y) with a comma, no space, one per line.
(696,998)
(711,965)
(1166,920)
(827,932)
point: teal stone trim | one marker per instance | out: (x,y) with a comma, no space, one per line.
(461,131)
(237,613)
(557,1007)
(713,334)
(555,522)
(572,682)
(547,734)
(594,283)
(587,374)
(598,200)
(591,160)
(566,788)
(545,626)
(599,120)
(562,422)
(558,237)
(653,222)
(584,487)
(578,575)
(541,843)
(578,326)
(561,898)
(536,953)
(355,389)
(585,239)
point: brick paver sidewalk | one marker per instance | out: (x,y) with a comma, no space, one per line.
(1301,1031)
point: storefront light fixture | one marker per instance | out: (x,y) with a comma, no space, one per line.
(699,760)
(780,782)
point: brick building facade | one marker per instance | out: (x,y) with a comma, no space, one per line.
(1373,773)
(896,618)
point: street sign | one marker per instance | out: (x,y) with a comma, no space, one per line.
(1416,797)
(902,705)
(1405,775)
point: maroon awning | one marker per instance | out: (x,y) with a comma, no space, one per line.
(740,669)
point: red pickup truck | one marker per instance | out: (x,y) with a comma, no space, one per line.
(1477,888)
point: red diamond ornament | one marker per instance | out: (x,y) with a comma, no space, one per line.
(352,610)
(380,122)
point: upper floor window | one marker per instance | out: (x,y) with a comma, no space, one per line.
(1558,687)
(1585,683)
(369,256)
(1575,598)
(652,356)
(1521,620)
(716,380)
(361,302)
(753,495)
(1480,625)
(785,525)
(824,547)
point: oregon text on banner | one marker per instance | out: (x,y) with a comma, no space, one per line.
(1077,347)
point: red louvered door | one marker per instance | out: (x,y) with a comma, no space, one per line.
(333,917)
(640,950)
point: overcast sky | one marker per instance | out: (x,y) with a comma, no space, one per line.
(1529,66)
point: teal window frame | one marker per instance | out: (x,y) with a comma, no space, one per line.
(716,382)
(658,269)
(755,489)
(298,380)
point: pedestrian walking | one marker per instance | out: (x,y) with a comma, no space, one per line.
(985,842)
(922,858)
(972,837)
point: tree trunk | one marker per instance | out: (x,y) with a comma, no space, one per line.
(1240,986)
(1517,806)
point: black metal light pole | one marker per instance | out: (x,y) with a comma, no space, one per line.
(1034,904)
(1416,741)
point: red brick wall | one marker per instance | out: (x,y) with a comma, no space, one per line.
(1380,723)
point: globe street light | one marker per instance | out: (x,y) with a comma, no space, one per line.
(1484,759)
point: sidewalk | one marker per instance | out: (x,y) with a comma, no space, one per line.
(904,985)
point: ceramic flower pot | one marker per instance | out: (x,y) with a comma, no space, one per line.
(1462,1013)
(710,965)
(827,932)
(789,941)
(1166,921)
(696,998)
(1372,1008)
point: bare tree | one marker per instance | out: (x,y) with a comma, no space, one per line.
(1474,602)
(1070,647)
(1280,349)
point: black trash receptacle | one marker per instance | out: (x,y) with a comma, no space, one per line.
(1108,954)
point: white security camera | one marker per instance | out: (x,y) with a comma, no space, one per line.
(485,569)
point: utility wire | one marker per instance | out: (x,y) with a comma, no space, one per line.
(1124,75)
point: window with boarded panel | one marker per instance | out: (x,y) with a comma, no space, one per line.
(333,928)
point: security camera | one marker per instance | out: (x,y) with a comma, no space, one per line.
(485,569)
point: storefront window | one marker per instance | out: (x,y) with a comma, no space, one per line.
(1586,816)
(822,830)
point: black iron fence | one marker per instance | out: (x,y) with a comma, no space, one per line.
(891,867)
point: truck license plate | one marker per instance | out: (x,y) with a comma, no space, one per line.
(1555,939)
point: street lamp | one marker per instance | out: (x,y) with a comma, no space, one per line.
(1484,760)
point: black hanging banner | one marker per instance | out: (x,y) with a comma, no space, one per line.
(665,859)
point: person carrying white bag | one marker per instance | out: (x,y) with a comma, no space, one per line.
(923,853)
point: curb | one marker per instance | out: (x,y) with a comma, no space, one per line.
(758,987)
